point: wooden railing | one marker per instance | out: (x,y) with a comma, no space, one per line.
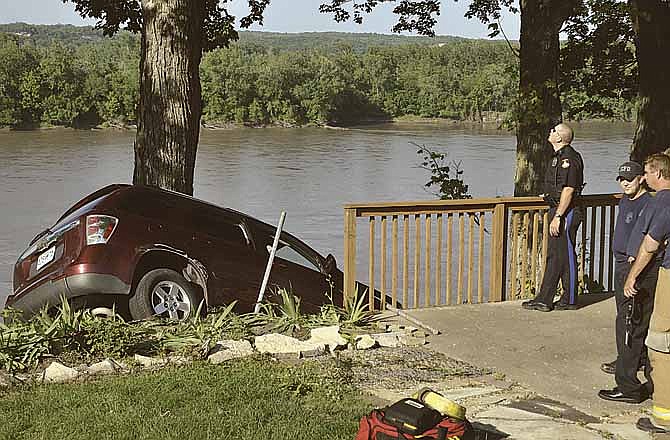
(433,253)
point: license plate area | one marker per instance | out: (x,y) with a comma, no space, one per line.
(45,258)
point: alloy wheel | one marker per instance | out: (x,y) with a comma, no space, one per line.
(169,299)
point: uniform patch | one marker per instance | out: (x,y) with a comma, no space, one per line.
(554,162)
(565,163)
(629,217)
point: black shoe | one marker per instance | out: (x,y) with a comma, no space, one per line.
(564,306)
(646,425)
(528,305)
(609,367)
(617,396)
(536,305)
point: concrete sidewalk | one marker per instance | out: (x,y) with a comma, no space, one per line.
(556,356)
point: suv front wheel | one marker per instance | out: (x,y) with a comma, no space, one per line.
(164,293)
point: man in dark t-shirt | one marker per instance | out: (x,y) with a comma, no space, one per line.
(632,319)
(657,234)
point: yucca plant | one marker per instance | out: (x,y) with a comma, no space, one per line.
(284,317)
(196,335)
(356,312)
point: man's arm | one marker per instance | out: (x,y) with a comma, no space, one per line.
(563,205)
(647,250)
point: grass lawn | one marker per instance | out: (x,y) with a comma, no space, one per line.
(254,398)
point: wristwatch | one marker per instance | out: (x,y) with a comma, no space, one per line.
(558,215)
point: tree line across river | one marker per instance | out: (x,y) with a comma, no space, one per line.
(72,76)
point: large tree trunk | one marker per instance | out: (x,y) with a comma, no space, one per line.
(651,21)
(170,101)
(539,102)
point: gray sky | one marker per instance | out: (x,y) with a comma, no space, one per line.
(281,16)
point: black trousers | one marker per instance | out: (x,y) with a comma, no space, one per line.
(634,353)
(562,260)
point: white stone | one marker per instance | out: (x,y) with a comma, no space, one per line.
(226,350)
(411,341)
(149,362)
(107,366)
(387,339)
(393,328)
(328,336)
(57,372)
(275,343)
(178,360)
(365,342)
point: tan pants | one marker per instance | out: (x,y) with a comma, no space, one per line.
(660,362)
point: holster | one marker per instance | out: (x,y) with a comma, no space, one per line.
(551,200)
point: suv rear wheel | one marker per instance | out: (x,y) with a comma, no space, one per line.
(165,293)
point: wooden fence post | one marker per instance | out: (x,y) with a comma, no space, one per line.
(349,254)
(498,254)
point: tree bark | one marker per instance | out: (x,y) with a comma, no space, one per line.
(651,22)
(170,97)
(539,106)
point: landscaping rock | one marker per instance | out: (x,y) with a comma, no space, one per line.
(108,366)
(365,342)
(149,362)
(226,350)
(275,343)
(57,373)
(177,360)
(328,336)
(411,341)
(387,339)
(393,328)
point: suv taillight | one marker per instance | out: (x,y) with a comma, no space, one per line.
(99,228)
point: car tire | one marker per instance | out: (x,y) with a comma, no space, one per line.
(164,293)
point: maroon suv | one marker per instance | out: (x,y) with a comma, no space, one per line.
(157,252)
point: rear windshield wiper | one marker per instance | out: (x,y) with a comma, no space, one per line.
(40,235)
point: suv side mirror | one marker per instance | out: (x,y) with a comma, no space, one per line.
(329,265)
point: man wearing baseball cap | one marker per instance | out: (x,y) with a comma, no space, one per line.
(632,318)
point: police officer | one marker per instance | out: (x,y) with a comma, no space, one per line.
(564,181)
(657,175)
(632,319)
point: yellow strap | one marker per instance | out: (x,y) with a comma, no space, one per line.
(660,413)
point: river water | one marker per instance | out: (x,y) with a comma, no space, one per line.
(308,172)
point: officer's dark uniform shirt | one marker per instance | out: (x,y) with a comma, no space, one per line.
(629,213)
(565,169)
(659,227)
(644,223)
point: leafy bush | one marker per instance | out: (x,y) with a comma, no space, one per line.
(450,187)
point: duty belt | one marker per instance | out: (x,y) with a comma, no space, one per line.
(551,200)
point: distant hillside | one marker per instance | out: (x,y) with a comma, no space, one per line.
(69,35)
(359,42)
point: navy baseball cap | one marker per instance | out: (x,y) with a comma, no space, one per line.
(629,171)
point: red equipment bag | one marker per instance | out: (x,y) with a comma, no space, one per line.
(373,427)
